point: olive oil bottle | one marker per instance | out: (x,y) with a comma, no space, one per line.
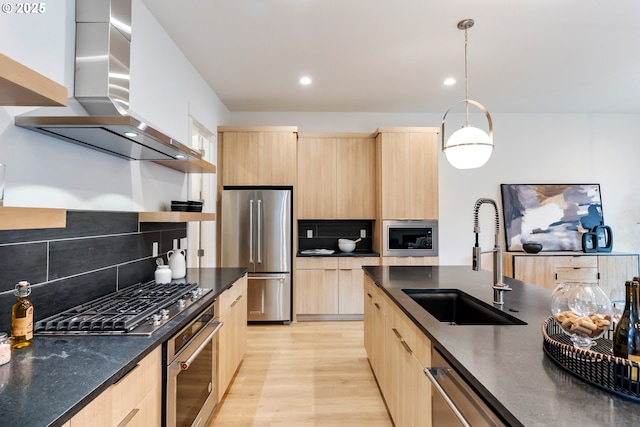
(626,337)
(22,317)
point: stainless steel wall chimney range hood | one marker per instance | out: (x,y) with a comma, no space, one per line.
(103,41)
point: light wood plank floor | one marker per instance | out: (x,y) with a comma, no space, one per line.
(307,374)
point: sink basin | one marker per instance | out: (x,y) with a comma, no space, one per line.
(456,307)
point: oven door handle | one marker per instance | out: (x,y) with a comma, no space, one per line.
(185,365)
(431,374)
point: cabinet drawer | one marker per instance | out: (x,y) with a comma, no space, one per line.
(356,263)
(577,274)
(576,261)
(227,298)
(317,263)
(135,385)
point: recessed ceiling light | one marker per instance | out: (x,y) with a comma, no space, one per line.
(131,134)
(305,80)
(450,81)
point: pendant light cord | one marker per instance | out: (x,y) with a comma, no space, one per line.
(466,80)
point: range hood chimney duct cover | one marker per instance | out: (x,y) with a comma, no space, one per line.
(103,41)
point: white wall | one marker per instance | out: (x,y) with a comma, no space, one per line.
(46,172)
(530,148)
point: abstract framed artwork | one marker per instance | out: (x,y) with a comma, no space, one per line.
(555,215)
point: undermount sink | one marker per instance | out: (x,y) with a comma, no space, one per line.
(456,307)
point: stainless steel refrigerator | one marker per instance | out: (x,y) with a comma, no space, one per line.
(257,233)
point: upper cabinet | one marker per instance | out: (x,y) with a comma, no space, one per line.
(21,86)
(407,181)
(336,176)
(257,155)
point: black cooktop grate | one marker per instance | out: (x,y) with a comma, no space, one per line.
(118,312)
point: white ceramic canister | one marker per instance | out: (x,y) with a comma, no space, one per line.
(163,275)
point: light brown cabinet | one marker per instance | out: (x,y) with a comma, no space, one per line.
(330,287)
(135,400)
(316,286)
(231,308)
(548,269)
(407,173)
(399,352)
(257,155)
(336,176)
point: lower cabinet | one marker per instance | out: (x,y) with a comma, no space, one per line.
(231,309)
(548,269)
(330,286)
(399,352)
(135,400)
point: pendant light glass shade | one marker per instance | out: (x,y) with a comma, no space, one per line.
(469,147)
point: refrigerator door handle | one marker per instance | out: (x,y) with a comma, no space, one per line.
(251,232)
(259,231)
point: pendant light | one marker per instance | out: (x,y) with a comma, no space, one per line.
(468,147)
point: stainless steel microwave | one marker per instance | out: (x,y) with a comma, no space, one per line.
(410,238)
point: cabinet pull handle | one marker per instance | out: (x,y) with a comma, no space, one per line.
(129,417)
(406,346)
(377,306)
(395,331)
(369,295)
(236,301)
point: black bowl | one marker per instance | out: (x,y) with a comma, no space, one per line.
(532,247)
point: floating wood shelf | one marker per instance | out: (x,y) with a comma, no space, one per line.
(15,218)
(188,166)
(21,86)
(176,216)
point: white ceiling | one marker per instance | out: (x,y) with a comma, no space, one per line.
(525,56)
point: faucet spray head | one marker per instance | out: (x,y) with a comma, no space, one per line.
(476,257)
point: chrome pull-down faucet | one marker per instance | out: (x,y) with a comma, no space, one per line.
(498,286)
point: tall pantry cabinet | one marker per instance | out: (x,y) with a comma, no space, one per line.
(406,181)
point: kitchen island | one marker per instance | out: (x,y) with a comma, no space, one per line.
(506,365)
(48,382)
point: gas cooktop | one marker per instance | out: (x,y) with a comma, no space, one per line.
(137,310)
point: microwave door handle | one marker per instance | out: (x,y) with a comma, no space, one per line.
(251,260)
(259,231)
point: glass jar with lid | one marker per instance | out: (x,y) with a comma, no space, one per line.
(5,348)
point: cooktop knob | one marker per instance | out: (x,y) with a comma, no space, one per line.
(164,313)
(156,319)
(181,302)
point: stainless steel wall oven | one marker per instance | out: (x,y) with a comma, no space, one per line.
(190,392)
(410,238)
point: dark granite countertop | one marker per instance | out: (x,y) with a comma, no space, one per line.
(338,254)
(507,364)
(52,379)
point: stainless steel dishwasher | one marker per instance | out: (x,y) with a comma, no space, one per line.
(453,402)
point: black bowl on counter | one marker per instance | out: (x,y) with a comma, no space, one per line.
(532,247)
